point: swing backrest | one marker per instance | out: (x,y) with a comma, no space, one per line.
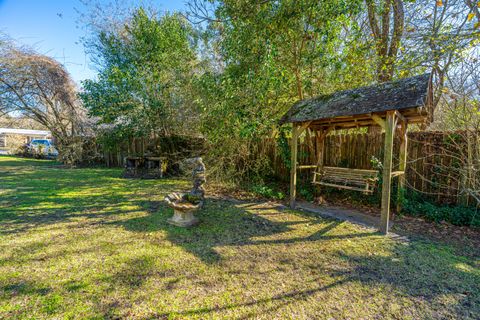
(345,178)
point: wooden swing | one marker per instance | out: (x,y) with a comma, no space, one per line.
(388,105)
(363,180)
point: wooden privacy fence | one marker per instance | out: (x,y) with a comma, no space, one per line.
(436,165)
(175,147)
(116,157)
(440,165)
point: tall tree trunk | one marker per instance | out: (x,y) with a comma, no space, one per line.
(387,41)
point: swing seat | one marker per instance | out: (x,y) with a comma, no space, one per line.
(346,178)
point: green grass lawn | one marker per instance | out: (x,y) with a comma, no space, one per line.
(86,244)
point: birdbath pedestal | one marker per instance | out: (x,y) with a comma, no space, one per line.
(182,210)
(185,204)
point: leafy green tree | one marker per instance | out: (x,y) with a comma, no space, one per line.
(271,54)
(146,67)
(256,59)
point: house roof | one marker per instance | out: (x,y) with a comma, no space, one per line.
(395,95)
(27,132)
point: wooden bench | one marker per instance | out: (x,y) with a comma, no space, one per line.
(346,178)
(154,167)
(133,166)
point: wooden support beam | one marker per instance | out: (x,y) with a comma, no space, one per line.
(297,130)
(400,117)
(411,115)
(302,127)
(402,166)
(327,131)
(378,120)
(345,124)
(307,166)
(293,164)
(361,123)
(321,134)
(397,173)
(390,124)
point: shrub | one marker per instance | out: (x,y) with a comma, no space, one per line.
(306,192)
(267,192)
(457,215)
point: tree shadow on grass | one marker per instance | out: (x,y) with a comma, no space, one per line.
(225,224)
(419,271)
(45,196)
(423,270)
(23,287)
(15,223)
(221,224)
(281,300)
(133,273)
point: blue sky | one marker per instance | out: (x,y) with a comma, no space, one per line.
(51,27)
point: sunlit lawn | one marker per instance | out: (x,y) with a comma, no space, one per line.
(86,244)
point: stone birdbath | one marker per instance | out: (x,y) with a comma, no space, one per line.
(185,204)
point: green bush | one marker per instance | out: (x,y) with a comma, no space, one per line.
(457,215)
(413,204)
(267,192)
(306,193)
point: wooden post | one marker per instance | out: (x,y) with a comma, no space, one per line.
(297,130)
(320,151)
(469,176)
(310,147)
(402,166)
(390,125)
(293,166)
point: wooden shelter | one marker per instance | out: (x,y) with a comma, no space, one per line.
(391,105)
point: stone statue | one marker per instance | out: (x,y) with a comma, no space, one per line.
(185,204)
(198,178)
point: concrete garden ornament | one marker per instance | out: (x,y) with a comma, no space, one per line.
(185,204)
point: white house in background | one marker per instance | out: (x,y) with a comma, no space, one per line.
(23,135)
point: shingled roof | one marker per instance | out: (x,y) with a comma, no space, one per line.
(396,95)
